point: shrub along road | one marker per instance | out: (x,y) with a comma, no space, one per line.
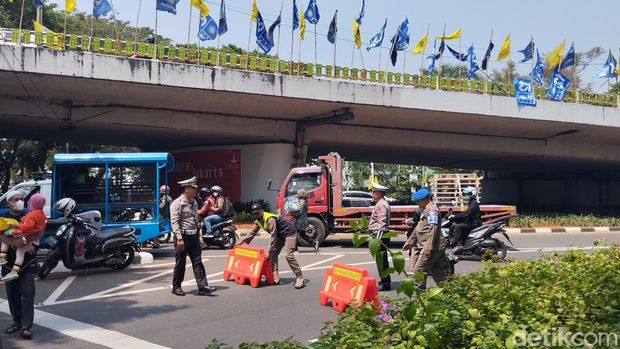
(134,307)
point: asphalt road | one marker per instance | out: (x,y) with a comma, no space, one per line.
(134,307)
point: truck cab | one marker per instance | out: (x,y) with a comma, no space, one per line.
(29,188)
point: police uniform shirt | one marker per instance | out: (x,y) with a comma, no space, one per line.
(184,217)
(428,231)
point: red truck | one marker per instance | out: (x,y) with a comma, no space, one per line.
(326,213)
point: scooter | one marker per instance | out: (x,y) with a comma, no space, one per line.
(480,241)
(224,235)
(81,244)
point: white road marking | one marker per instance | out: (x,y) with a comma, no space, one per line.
(60,289)
(321,262)
(556,249)
(84,331)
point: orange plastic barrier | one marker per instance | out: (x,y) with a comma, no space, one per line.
(347,285)
(248,263)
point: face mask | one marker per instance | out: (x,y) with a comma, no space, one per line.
(216,194)
(18,205)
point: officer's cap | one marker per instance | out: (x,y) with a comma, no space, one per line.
(421,194)
(192,182)
(379,187)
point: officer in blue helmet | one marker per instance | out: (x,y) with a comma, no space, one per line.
(426,243)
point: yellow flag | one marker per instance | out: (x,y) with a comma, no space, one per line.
(69,6)
(554,57)
(39,28)
(302,24)
(357,36)
(371,181)
(254,11)
(455,35)
(421,45)
(200,5)
(505,50)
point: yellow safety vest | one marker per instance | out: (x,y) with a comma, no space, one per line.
(266,216)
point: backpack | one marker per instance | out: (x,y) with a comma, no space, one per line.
(229,209)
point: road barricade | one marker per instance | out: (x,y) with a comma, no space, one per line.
(248,263)
(347,285)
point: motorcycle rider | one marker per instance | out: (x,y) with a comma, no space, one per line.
(468,220)
(183,218)
(283,235)
(164,201)
(207,201)
(428,255)
(218,210)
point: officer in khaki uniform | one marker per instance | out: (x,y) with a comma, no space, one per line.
(428,254)
(184,221)
(283,236)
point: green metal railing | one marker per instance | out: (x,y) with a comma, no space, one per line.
(209,57)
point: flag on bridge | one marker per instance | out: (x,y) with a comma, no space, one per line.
(254,11)
(302,25)
(201,6)
(537,73)
(455,35)
(377,40)
(609,68)
(487,55)
(362,12)
(357,35)
(169,6)
(554,57)
(421,45)
(295,16)
(333,29)
(528,52)
(400,41)
(473,65)
(558,87)
(460,56)
(569,60)
(312,12)
(69,6)
(505,50)
(264,37)
(207,29)
(433,57)
(101,8)
(222,28)
(524,92)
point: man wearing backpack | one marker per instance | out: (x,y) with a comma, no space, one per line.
(218,208)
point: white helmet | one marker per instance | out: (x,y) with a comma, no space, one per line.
(65,206)
(217,188)
(469,191)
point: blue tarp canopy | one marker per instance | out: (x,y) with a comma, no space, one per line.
(162,158)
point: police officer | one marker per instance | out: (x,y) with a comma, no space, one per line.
(378,225)
(426,241)
(183,217)
(283,235)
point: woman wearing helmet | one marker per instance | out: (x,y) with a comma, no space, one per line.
(468,220)
(207,199)
(218,210)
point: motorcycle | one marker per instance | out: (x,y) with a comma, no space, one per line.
(80,243)
(224,235)
(479,242)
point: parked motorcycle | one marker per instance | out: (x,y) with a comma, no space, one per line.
(80,244)
(480,241)
(224,235)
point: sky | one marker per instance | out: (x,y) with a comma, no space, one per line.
(586,23)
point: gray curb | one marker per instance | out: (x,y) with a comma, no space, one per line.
(562,230)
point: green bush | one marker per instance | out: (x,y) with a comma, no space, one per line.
(245,206)
(534,220)
(495,307)
(243,217)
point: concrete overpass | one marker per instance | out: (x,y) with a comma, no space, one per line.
(529,153)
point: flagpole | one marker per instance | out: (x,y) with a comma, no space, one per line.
(247,60)
(21,20)
(315,47)
(64,32)
(380,51)
(278,48)
(92,29)
(135,40)
(441,57)
(362,58)
(155,41)
(189,25)
(290,64)
(461,55)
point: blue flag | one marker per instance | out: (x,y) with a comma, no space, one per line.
(528,52)
(377,40)
(101,7)
(524,92)
(460,56)
(473,65)
(609,68)
(569,60)
(487,56)
(537,73)
(272,28)
(312,12)
(169,6)
(207,29)
(401,38)
(37,3)
(295,15)
(558,87)
(222,27)
(362,11)
(333,29)
(433,57)
(437,53)
(262,36)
